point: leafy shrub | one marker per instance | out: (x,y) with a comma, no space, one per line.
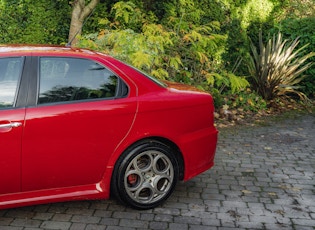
(39,21)
(179,50)
(277,69)
(247,100)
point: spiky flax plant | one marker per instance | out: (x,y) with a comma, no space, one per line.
(278,68)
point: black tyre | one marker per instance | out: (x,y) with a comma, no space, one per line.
(145,175)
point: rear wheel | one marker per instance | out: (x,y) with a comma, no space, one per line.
(145,175)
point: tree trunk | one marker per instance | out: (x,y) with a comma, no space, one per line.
(80,12)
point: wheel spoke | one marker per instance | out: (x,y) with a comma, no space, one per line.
(145,193)
(161,184)
(161,165)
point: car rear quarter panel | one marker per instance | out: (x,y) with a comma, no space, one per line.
(183,117)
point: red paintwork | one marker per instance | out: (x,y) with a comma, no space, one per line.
(68,151)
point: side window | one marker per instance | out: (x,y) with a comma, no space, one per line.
(10,72)
(73,79)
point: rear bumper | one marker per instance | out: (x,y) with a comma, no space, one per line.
(198,149)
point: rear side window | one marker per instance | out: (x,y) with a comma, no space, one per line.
(74,79)
(10,73)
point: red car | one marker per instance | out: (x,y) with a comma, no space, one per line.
(77,124)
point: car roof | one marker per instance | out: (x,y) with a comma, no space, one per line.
(28,49)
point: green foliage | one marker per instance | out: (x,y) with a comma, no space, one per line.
(254,11)
(277,69)
(92,24)
(245,19)
(38,21)
(127,15)
(144,50)
(294,9)
(179,50)
(212,10)
(217,98)
(123,11)
(246,100)
(204,43)
(227,79)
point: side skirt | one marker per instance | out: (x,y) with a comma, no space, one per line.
(85,192)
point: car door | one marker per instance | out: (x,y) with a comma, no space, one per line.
(11,124)
(82,113)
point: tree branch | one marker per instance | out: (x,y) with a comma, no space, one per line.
(88,9)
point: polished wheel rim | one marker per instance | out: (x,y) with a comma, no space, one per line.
(149,177)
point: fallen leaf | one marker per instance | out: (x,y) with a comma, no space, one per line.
(281,212)
(246,191)
(295,189)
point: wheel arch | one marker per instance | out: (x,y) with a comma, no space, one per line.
(170,144)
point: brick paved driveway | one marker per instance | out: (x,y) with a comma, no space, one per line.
(263,179)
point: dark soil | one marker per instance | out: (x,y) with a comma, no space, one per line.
(234,117)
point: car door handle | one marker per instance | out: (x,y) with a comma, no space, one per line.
(11,125)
